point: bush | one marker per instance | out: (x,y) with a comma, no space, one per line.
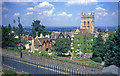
(13,48)
(97,59)
(9,73)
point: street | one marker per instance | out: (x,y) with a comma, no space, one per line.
(32,68)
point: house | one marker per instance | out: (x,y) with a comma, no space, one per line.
(41,43)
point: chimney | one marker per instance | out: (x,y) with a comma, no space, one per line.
(27,37)
(32,38)
(52,33)
(36,34)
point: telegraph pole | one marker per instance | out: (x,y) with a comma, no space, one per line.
(20,39)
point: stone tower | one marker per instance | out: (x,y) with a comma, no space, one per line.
(87,21)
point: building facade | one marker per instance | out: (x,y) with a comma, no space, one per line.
(87,21)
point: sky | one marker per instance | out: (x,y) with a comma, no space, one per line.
(59,14)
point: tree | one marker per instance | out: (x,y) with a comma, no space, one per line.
(112,56)
(9,28)
(62,45)
(37,27)
(8,39)
(99,30)
(98,48)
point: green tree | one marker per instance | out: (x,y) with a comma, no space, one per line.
(99,30)
(112,56)
(8,39)
(9,28)
(20,29)
(98,47)
(37,27)
(62,45)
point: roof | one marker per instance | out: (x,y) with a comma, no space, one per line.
(41,41)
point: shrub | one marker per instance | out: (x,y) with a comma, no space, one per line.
(9,73)
(97,59)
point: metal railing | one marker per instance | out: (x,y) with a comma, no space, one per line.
(58,69)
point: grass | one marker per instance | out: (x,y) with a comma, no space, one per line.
(87,61)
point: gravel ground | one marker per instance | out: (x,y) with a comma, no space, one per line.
(55,62)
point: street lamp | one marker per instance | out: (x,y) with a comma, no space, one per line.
(20,45)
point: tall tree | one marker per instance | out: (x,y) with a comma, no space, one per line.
(8,39)
(9,28)
(98,47)
(20,28)
(112,56)
(62,45)
(37,27)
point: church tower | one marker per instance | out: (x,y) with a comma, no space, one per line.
(87,21)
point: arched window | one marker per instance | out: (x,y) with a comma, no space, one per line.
(88,22)
(84,22)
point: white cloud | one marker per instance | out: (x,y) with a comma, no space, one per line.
(69,15)
(29,13)
(44,8)
(105,13)
(16,14)
(72,2)
(30,8)
(44,4)
(64,14)
(100,9)
(100,13)
(113,13)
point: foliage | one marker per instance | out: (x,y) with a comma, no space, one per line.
(85,42)
(62,45)
(8,39)
(98,47)
(97,59)
(9,72)
(112,56)
(13,48)
(37,27)
(99,30)
(20,30)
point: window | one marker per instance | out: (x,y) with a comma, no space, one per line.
(91,43)
(88,22)
(91,39)
(72,47)
(80,47)
(71,38)
(78,44)
(78,39)
(84,22)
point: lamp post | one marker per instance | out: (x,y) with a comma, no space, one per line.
(21,47)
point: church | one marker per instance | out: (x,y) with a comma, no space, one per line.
(82,39)
(87,23)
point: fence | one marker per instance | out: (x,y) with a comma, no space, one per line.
(57,69)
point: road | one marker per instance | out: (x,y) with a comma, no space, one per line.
(32,67)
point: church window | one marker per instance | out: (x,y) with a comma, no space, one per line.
(88,22)
(84,22)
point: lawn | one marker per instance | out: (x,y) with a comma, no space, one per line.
(75,60)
